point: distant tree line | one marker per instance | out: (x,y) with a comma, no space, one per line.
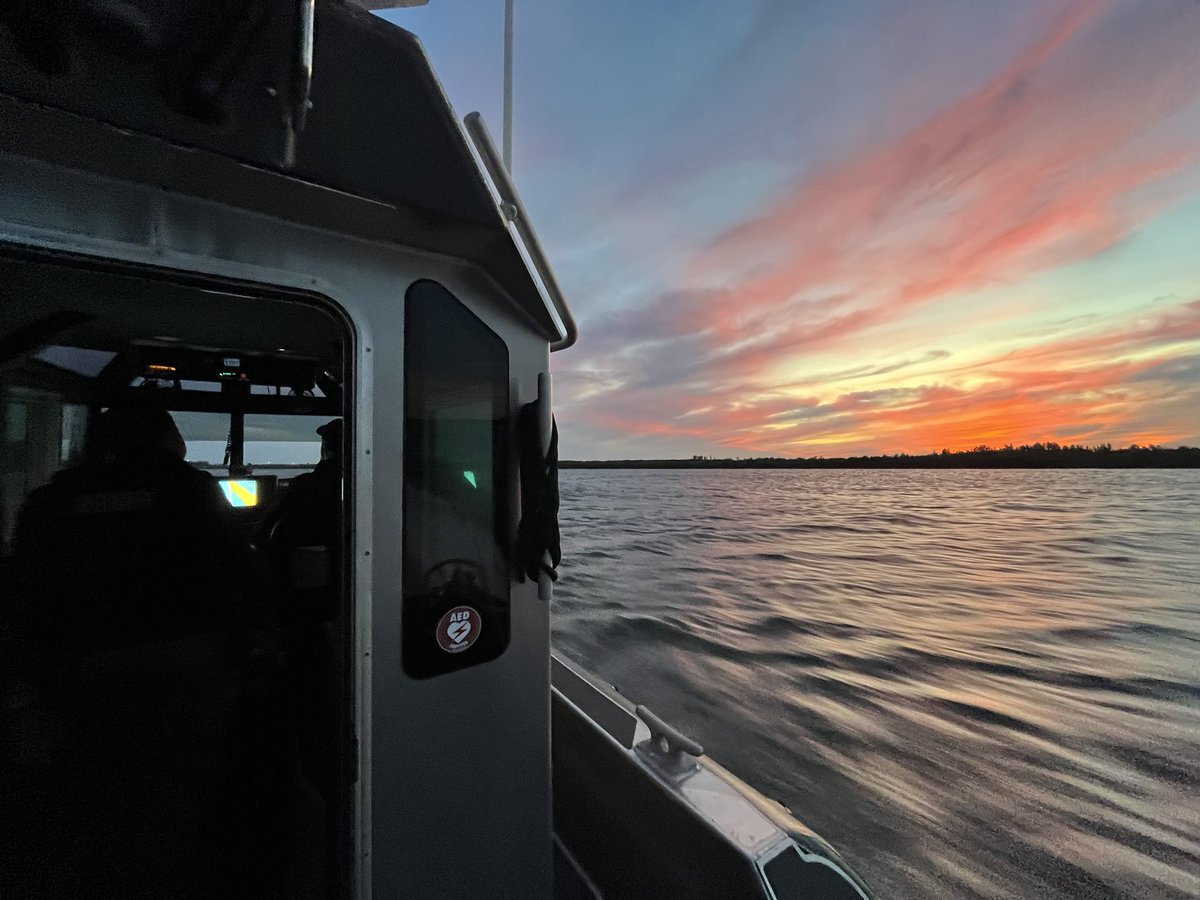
(1027,456)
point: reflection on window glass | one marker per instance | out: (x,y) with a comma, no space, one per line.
(455,510)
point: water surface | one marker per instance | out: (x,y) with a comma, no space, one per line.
(977,684)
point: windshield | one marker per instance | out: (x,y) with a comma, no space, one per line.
(275,440)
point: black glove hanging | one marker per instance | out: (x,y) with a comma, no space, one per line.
(538,532)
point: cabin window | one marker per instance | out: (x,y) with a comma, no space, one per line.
(456,570)
(15,418)
(206,435)
(80,360)
(72,433)
(283,442)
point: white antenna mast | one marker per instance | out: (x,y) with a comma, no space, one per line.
(508,83)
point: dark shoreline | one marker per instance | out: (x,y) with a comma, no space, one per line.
(1005,458)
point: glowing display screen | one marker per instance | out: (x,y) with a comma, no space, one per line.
(240,493)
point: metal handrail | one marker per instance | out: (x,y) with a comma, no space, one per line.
(514,210)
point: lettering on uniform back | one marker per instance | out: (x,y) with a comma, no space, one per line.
(112,502)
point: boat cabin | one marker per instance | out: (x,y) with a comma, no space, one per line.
(250,657)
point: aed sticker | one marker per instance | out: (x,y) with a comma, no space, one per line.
(458,629)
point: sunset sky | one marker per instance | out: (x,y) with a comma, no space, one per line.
(823,228)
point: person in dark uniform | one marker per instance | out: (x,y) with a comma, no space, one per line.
(134,588)
(306,521)
(303,538)
(135,545)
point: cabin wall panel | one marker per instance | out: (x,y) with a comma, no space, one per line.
(457,766)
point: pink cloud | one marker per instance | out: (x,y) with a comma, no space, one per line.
(1044,165)
(1085,388)
(1033,170)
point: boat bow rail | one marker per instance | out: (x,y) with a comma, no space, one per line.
(524,237)
(646,812)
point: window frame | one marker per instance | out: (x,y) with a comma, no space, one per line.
(421,658)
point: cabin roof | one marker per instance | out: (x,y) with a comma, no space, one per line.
(199,104)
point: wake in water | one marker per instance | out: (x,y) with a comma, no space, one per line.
(977,684)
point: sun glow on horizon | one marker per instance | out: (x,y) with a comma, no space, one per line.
(937,225)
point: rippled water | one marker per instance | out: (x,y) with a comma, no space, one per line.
(975,683)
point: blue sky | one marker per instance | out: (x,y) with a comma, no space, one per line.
(826,227)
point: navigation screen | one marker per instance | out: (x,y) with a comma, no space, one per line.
(240,492)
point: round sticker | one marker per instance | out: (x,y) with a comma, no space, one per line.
(458,629)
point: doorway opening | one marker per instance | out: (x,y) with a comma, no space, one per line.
(176,612)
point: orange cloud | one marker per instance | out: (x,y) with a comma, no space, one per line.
(1047,164)
(1091,388)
